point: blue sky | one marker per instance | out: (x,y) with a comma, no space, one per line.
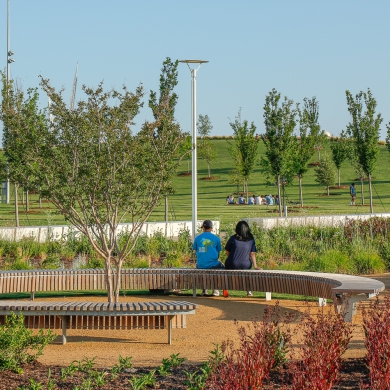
(301,48)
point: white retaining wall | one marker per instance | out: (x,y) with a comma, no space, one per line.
(43,233)
(313,220)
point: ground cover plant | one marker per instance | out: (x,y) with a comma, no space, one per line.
(376,319)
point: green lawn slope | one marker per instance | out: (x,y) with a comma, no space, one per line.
(212,194)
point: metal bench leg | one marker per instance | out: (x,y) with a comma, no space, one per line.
(170,319)
(321,301)
(348,305)
(64,320)
(32,295)
(193,287)
(268,296)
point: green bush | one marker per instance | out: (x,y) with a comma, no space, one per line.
(18,345)
(332,261)
(52,261)
(367,262)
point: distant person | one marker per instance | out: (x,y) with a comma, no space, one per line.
(270,200)
(230,199)
(207,246)
(259,199)
(252,200)
(352,191)
(276,199)
(241,249)
(241,199)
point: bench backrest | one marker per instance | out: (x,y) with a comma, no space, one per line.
(289,282)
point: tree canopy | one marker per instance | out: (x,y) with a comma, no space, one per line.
(280,122)
(364,130)
(97,170)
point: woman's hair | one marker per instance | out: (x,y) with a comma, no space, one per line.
(243,232)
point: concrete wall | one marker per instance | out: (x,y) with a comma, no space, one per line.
(42,233)
(318,220)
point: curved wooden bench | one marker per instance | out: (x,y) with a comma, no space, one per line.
(97,315)
(344,290)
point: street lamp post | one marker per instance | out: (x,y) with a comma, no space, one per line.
(194,136)
(10,60)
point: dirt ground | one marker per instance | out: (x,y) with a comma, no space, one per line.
(212,323)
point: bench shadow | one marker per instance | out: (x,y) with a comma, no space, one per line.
(81,339)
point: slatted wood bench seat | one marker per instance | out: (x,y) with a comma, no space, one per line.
(344,290)
(97,315)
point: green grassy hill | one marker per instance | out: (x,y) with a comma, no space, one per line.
(212,194)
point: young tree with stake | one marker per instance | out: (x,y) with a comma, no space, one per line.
(244,149)
(280,122)
(364,129)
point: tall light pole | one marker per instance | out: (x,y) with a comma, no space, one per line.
(10,60)
(194,136)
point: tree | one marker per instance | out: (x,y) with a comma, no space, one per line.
(17,113)
(340,152)
(206,150)
(309,131)
(364,129)
(352,157)
(280,122)
(97,172)
(244,149)
(325,173)
(388,137)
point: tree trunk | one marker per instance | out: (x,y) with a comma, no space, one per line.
(16,206)
(279,196)
(327,188)
(208,167)
(362,188)
(27,203)
(117,280)
(109,280)
(338,174)
(370,189)
(166,215)
(300,191)
(247,191)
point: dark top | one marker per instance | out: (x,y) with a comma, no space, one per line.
(239,253)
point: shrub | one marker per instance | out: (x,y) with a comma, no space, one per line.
(325,339)
(52,261)
(368,262)
(18,345)
(333,261)
(247,366)
(376,323)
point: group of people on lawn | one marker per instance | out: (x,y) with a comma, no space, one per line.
(240,249)
(259,200)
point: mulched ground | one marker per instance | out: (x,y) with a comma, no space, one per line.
(354,370)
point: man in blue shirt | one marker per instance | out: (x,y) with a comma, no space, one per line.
(352,191)
(207,246)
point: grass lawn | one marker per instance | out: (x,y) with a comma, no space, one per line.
(212,194)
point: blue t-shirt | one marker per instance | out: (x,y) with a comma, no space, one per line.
(207,246)
(352,190)
(239,253)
